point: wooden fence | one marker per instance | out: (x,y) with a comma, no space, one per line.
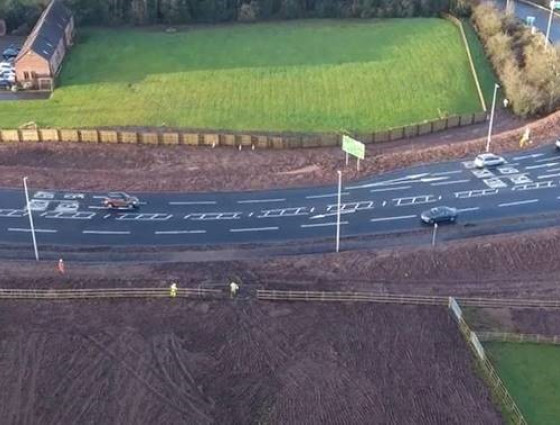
(74,294)
(213,139)
(519,338)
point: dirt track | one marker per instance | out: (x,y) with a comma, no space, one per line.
(235,362)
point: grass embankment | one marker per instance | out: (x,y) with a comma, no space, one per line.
(298,76)
(531,373)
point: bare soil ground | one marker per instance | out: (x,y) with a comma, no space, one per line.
(235,362)
(183,168)
(515,320)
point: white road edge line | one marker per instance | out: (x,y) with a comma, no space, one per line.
(328,195)
(258,201)
(104,232)
(192,203)
(390,188)
(402,217)
(179,232)
(444,173)
(253,229)
(323,224)
(18,229)
(511,204)
(450,182)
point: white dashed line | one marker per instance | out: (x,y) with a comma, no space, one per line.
(391,188)
(534,155)
(533,167)
(461,210)
(17,229)
(544,159)
(192,203)
(402,217)
(254,229)
(547,176)
(258,201)
(323,224)
(327,195)
(179,232)
(511,204)
(104,232)
(445,173)
(451,182)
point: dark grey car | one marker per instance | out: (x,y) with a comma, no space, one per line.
(441,214)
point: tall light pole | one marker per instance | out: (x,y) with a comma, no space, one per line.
(338,210)
(30,215)
(552,4)
(496,87)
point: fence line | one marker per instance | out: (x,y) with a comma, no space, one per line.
(288,295)
(488,368)
(260,140)
(66,294)
(515,337)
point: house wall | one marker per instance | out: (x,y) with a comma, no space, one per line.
(30,67)
(69,32)
(56,58)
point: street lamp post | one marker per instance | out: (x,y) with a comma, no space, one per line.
(434,234)
(338,210)
(496,87)
(549,25)
(30,215)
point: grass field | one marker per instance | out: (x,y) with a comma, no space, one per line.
(299,76)
(531,373)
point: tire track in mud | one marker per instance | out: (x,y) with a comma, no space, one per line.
(185,413)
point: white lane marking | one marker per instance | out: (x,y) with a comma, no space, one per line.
(69,215)
(391,188)
(214,216)
(98,197)
(467,209)
(384,203)
(327,195)
(547,176)
(445,173)
(18,229)
(402,217)
(144,217)
(192,203)
(494,183)
(413,200)
(97,208)
(545,159)
(179,232)
(536,185)
(475,193)
(332,214)
(36,205)
(283,212)
(107,216)
(450,182)
(12,213)
(254,229)
(534,155)
(511,204)
(258,201)
(323,224)
(533,167)
(43,195)
(351,206)
(104,232)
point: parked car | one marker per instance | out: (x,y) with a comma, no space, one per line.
(5,85)
(488,160)
(11,52)
(120,200)
(6,66)
(439,215)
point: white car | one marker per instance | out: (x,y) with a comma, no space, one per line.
(557,144)
(6,66)
(488,160)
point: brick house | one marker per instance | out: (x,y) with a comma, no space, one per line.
(40,58)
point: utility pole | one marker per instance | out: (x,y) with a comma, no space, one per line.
(30,215)
(434,234)
(552,4)
(338,210)
(496,87)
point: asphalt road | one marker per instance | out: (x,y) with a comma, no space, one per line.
(541,14)
(527,184)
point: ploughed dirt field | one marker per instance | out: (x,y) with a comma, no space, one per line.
(235,362)
(515,320)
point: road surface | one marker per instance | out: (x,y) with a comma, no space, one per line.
(528,184)
(541,14)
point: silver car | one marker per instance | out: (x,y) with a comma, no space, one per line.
(488,160)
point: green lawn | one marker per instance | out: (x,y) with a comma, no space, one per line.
(531,373)
(298,75)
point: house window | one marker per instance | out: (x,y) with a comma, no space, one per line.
(33,75)
(26,75)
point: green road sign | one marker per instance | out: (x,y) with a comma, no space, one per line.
(353,147)
(555,4)
(530,20)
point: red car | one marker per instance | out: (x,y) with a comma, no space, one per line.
(120,200)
